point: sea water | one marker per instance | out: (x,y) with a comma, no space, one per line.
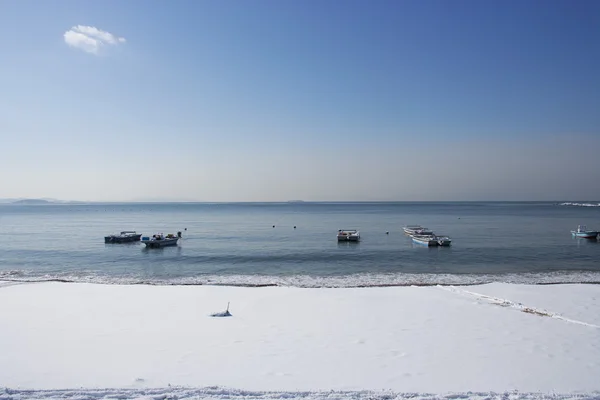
(295,243)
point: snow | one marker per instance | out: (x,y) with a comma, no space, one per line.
(217,393)
(75,341)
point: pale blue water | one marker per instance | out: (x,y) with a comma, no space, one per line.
(236,243)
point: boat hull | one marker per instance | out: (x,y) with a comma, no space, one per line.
(425,241)
(155,244)
(122,239)
(348,238)
(585,235)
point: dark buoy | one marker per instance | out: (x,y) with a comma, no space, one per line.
(273,226)
(294,226)
(185,229)
(387,232)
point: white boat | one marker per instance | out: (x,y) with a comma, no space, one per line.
(426,240)
(432,240)
(348,235)
(583,232)
(159,240)
(411,230)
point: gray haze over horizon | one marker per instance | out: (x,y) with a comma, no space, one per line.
(563,168)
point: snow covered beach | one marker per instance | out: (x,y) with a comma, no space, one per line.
(62,340)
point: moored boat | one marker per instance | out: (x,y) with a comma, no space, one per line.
(426,240)
(583,232)
(411,230)
(123,237)
(348,235)
(159,240)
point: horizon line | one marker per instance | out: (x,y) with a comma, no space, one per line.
(75,202)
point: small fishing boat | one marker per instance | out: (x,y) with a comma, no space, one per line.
(443,240)
(159,240)
(426,240)
(348,235)
(583,232)
(123,237)
(411,230)
(432,240)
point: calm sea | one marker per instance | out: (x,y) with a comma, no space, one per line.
(236,244)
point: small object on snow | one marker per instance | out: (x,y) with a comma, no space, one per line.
(225,313)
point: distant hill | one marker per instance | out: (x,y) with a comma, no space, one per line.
(45,201)
(32,201)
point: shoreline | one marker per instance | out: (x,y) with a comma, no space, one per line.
(267,285)
(357,280)
(225,393)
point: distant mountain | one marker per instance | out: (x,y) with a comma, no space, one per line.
(32,201)
(42,201)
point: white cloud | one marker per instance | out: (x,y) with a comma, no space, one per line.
(90,39)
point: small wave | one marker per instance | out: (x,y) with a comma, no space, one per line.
(310,281)
(580,204)
(13,273)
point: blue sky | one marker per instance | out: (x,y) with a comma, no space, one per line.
(315,100)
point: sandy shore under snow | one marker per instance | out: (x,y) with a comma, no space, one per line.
(495,337)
